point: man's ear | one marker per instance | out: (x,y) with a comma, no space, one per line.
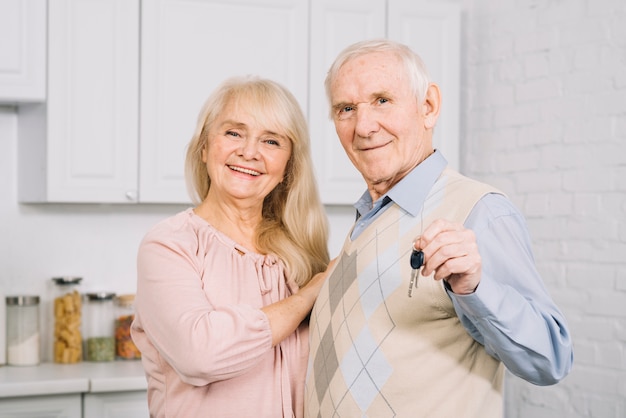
(431,106)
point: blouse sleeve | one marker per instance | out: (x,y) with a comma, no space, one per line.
(204,340)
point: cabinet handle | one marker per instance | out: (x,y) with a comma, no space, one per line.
(131,195)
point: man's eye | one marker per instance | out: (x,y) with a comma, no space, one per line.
(346,109)
(382,100)
(344,112)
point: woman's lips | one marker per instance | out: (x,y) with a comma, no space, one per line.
(244,170)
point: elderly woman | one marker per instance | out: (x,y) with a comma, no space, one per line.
(224,288)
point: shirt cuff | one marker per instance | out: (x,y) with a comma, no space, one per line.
(477,305)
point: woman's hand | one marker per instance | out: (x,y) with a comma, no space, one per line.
(286,315)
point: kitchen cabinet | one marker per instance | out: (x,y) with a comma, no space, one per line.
(127,79)
(429,28)
(187,48)
(22,51)
(54,406)
(116,405)
(335,25)
(433,30)
(86,389)
(87,405)
(81,144)
(125,89)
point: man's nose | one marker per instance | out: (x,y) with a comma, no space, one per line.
(366,122)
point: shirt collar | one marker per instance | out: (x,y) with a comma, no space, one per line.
(410,192)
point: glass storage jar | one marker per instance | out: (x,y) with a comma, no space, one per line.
(125,348)
(3,330)
(23,339)
(98,331)
(68,341)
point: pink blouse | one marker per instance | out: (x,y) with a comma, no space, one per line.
(206,345)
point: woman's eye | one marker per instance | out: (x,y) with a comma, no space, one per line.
(272,141)
(232,133)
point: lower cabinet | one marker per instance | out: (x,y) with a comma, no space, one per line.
(88,405)
(51,406)
(115,405)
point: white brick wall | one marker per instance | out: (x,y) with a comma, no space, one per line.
(544,119)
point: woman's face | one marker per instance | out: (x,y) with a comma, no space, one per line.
(245,156)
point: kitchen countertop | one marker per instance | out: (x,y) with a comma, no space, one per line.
(55,379)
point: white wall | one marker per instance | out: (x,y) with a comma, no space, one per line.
(545,120)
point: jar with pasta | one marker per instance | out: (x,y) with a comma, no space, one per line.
(67,305)
(125,348)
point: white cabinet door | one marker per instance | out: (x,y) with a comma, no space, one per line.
(116,405)
(22,51)
(188,47)
(82,144)
(57,406)
(335,25)
(430,29)
(433,30)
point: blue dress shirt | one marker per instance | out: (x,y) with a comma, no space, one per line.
(511,312)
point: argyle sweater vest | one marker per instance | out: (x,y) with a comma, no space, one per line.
(375,351)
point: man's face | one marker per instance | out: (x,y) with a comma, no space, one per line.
(378,120)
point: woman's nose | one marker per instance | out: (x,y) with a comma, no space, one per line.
(249,148)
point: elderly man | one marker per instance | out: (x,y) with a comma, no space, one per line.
(391,336)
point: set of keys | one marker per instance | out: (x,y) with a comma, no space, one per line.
(417,260)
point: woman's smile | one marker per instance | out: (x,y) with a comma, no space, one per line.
(244,170)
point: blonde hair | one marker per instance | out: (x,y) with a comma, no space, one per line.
(294,225)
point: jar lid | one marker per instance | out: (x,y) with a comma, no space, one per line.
(22,300)
(67,280)
(100,296)
(125,300)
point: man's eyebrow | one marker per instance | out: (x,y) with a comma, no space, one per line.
(384,93)
(372,97)
(339,105)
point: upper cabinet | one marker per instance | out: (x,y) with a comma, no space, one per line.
(125,89)
(81,144)
(429,28)
(433,30)
(127,78)
(187,49)
(335,25)
(22,51)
